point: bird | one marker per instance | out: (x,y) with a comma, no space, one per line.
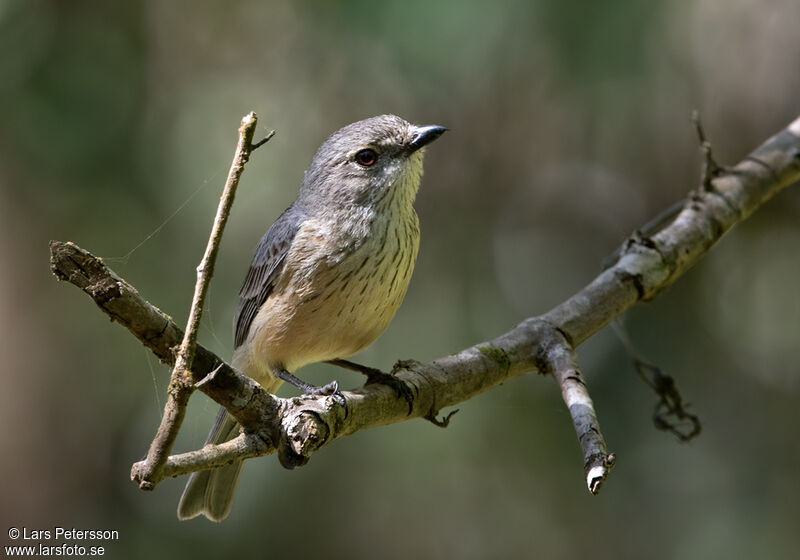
(328,275)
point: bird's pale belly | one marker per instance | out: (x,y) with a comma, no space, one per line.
(332,309)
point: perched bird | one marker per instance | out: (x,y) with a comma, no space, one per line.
(327,277)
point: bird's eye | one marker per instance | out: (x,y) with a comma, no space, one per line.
(366,157)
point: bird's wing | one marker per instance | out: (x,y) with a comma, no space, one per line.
(264,270)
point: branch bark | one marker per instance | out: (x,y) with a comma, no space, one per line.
(296,427)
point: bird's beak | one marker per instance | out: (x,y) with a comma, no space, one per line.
(424,135)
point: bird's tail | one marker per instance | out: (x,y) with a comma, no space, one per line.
(210,492)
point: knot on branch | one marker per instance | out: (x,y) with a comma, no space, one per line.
(308,424)
(546,339)
(644,266)
(531,349)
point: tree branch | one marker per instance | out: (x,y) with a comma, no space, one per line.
(181,384)
(296,427)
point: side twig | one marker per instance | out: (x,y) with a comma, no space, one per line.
(181,382)
(558,357)
(710,168)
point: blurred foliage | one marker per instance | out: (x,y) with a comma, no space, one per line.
(570,128)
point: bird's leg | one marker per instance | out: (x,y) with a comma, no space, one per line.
(375,375)
(331,388)
(370,372)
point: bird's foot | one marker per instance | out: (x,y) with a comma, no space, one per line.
(399,386)
(376,376)
(329,390)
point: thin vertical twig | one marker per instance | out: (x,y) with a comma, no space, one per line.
(182,380)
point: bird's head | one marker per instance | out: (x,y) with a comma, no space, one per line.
(365,161)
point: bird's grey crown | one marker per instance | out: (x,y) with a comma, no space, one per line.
(383,131)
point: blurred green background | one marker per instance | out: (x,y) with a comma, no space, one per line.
(569,128)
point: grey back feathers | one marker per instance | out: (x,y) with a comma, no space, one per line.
(264,270)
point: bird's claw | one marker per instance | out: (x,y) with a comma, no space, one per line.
(324,390)
(330,390)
